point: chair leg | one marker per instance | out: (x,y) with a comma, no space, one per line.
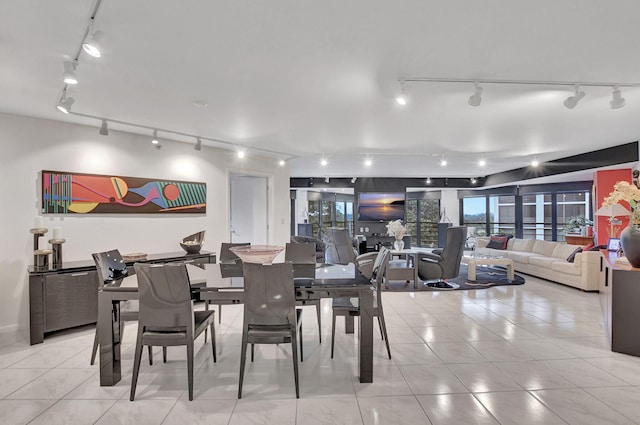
(319,315)
(252,351)
(190,367)
(94,352)
(150,355)
(219,313)
(206,308)
(299,331)
(213,340)
(384,331)
(333,332)
(380,326)
(164,354)
(243,361)
(294,350)
(136,365)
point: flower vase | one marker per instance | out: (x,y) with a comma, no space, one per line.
(630,241)
(398,245)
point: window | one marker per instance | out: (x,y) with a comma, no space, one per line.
(475,213)
(421,218)
(502,213)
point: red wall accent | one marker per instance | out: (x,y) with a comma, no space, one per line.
(603,182)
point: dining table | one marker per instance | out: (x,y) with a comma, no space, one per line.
(224,284)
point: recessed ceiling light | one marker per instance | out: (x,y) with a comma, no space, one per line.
(324,162)
(535,163)
(240,154)
(282,162)
(368,162)
(443,161)
(402,98)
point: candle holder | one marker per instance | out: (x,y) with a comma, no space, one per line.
(56,247)
(37,232)
(41,259)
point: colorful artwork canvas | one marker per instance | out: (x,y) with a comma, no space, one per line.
(77,193)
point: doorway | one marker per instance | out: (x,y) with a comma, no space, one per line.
(249,209)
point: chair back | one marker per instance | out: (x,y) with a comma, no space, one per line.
(380,274)
(340,246)
(270,297)
(164,296)
(382,260)
(452,252)
(110,265)
(226,256)
(303,257)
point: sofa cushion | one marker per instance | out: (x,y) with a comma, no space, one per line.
(542,261)
(566,267)
(522,257)
(524,245)
(544,247)
(563,250)
(498,242)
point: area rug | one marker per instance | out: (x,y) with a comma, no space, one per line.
(486,277)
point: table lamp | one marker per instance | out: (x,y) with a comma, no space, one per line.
(613,211)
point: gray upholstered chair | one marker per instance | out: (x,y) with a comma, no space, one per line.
(438,267)
(339,246)
(225,256)
(350,307)
(303,258)
(166,316)
(270,314)
(111,271)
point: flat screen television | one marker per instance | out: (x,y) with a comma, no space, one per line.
(380,206)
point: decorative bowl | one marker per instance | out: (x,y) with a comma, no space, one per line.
(257,253)
(193,243)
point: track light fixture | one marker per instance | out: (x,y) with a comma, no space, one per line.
(240,154)
(402,98)
(617,101)
(572,101)
(476,98)
(482,162)
(154,139)
(91,44)
(443,161)
(535,162)
(368,162)
(65,103)
(474,180)
(104,130)
(326,179)
(69,75)
(324,162)
(428,180)
(353,179)
(198,145)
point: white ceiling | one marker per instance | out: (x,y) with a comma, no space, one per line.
(312,78)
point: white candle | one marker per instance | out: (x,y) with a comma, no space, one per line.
(57,232)
(38,223)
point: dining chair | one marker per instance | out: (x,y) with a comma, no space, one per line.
(350,307)
(166,315)
(112,270)
(270,314)
(339,246)
(226,256)
(303,258)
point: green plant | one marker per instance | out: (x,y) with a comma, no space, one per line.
(575,223)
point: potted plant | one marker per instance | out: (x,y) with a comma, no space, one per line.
(577,224)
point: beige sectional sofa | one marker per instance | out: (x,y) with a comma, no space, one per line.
(548,260)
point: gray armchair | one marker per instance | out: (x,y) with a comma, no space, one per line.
(339,246)
(446,265)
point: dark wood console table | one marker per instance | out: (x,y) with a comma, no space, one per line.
(619,298)
(67,296)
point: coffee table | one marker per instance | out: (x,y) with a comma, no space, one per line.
(487,260)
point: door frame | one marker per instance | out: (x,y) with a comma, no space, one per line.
(270,201)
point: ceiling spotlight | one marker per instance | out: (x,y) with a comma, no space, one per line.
(282,163)
(91,44)
(535,162)
(65,103)
(572,101)
(326,179)
(240,154)
(198,145)
(428,181)
(155,140)
(324,162)
(476,98)
(402,98)
(617,101)
(443,161)
(368,162)
(474,180)
(69,76)
(104,130)
(353,179)
(482,162)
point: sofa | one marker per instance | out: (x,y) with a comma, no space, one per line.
(549,260)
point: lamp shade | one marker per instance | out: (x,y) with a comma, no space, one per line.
(615,210)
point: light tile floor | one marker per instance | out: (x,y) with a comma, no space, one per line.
(530,354)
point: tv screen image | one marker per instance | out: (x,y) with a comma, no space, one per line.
(380,206)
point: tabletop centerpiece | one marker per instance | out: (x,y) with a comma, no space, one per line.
(630,236)
(396,229)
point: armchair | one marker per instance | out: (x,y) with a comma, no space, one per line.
(446,265)
(339,246)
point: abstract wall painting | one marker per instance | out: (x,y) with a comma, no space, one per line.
(78,193)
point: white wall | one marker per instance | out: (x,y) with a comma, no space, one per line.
(451,205)
(29,145)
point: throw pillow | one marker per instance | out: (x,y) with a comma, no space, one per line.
(571,258)
(498,242)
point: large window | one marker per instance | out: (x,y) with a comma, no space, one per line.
(570,205)
(475,214)
(334,212)
(421,218)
